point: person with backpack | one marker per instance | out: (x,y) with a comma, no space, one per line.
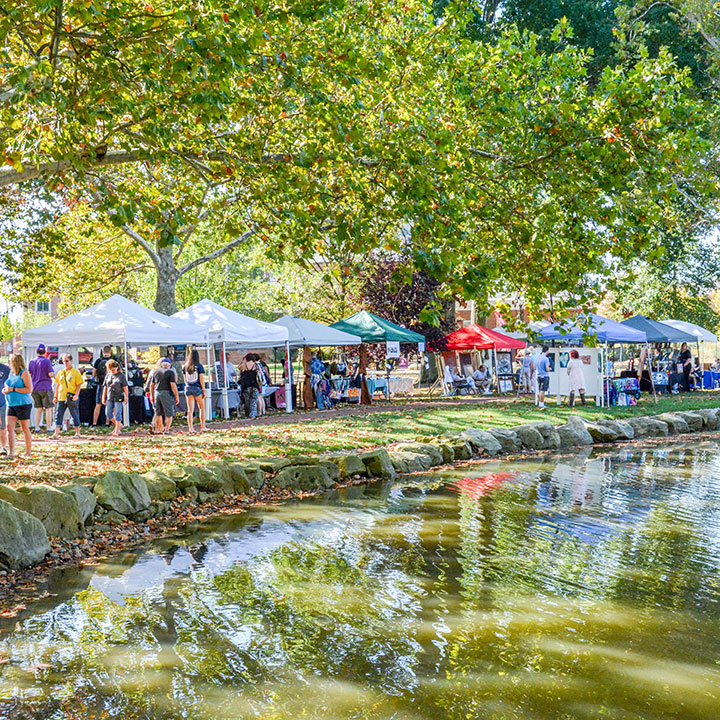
(194,374)
(99,373)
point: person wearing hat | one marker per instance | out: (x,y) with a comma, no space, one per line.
(163,390)
(41,373)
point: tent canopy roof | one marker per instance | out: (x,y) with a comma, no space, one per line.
(605,329)
(220,324)
(373,329)
(306,332)
(114,321)
(698,333)
(476,337)
(657,331)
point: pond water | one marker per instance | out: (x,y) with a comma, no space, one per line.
(572,587)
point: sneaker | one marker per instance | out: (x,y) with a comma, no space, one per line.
(4,451)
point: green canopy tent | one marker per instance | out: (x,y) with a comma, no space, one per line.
(374,330)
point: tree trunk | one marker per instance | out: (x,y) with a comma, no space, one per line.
(167,277)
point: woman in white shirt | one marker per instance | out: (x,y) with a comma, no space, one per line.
(577,377)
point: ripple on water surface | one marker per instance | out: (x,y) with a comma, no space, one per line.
(575,587)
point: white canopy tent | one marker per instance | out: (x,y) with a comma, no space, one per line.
(116,321)
(703,336)
(219,324)
(306,332)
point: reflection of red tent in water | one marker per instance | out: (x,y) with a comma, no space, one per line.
(476,487)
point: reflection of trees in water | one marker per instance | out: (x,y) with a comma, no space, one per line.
(540,599)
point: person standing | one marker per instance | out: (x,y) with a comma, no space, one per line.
(542,370)
(67,393)
(115,395)
(18,394)
(99,373)
(4,374)
(526,373)
(250,383)
(685,360)
(163,387)
(41,372)
(577,377)
(194,390)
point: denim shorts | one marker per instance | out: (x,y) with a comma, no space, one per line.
(193,389)
(543,383)
(3,421)
(114,410)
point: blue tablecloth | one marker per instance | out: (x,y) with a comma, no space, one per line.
(711,378)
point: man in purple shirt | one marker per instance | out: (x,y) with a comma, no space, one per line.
(41,372)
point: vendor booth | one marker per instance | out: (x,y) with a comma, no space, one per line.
(307,334)
(476,338)
(375,330)
(606,332)
(219,325)
(118,322)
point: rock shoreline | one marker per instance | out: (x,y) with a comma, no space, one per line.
(91,511)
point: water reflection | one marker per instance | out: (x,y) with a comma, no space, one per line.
(577,587)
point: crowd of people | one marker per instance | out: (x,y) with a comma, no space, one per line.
(42,392)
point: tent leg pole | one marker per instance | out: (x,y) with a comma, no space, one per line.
(223,365)
(288,383)
(208,384)
(126,406)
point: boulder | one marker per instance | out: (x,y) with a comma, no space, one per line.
(378,464)
(159,485)
(333,470)
(648,427)
(676,424)
(530,437)
(446,449)
(85,499)
(549,434)
(508,439)
(429,449)
(273,464)
(253,474)
(58,511)
(303,477)
(694,420)
(602,433)
(408,462)
(125,493)
(574,433)
(461,448)
(623,428)
(349,465)
(23,538)
(481,441)
(202,478)
(239,476)
(710,418)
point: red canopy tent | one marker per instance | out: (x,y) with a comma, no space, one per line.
(476,337)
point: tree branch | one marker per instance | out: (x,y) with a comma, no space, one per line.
(216,253)
(144,244)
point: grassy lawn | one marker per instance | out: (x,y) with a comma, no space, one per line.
(60,462)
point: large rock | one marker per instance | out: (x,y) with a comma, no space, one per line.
(481,441)
(574,433)
(508,439)
(378,464)
(273,464)
(623,428)
(85,499)
(648,427)
(461,448)
(602,433)
(58,511)
(333,469)
(408,462)
(125,493)
(530,437)
(446,450)
(253,474)
(349,465)
(549,434)
(23,538)
(694,420)
(303,477)
(160,486)
(676,424)
(710,418)
(429,449)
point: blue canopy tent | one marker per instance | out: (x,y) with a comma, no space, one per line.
(603,330)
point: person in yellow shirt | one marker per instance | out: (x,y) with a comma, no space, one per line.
(67,392)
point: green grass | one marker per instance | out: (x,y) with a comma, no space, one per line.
(60,463)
